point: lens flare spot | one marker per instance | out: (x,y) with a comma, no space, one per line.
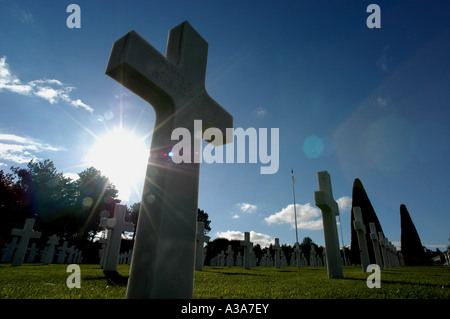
(313,146)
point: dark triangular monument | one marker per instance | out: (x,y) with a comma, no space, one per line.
(361,200)
(412,249)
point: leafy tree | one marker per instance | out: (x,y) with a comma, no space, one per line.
(47,196)
(202,216)
(12,212)
(96,198)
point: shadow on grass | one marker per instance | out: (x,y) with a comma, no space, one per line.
(115,279)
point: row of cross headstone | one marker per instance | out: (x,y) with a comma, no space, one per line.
(267,260)
(16,250)
(386,255)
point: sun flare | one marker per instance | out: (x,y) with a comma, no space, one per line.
(122,157)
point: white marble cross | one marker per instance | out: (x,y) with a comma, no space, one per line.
(360,229)
(71,251)
(248,247)
(117,225)
(104,242)
(230,259)
(52,242)
(277,249)
(25,235)
(384,252)
(8,251)
(325,201)
(175,86)
(312,256)
(32,254)
(298,254)
(201,238)
(62,253)
(376,245)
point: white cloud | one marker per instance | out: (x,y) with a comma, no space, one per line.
(344,203)
(256,238)
(247,208)
(21,150)
(51,90)
(260,112)
(308,217)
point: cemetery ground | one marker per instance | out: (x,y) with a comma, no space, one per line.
(38,281)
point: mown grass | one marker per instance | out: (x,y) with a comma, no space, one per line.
(37,281)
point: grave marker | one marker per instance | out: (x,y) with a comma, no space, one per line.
(8,251)
(52,242)
(277,249)
(62,253)
(175,86)
(360,229)
(325,201)
(117,225)
(25,235)
(248,248)
(298,255)
(376,246)
(201,238)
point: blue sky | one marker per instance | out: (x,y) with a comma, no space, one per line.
(358,102)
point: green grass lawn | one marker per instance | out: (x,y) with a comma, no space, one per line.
(36,281)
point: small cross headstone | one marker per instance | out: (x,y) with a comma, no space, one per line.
(312,256)
(8,251)
(117,226)
(104,242)
(384,253)
(52,242)
(360,229)
(283,261)
(248,248)
(62,253)
(325,201)
(71,251)
(201,238)
(298,253)
(230,259)
(32,254)
(277,249)
(238,260)
(222,259)
(25,235)
(175,86)
(375,244)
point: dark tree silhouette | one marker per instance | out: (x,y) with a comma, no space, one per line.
(360,199)
(412,249)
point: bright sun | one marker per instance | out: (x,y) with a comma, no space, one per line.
(122,157)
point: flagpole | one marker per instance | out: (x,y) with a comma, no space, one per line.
(295,208)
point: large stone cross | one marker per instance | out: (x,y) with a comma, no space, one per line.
(248,246)
(325,201)
(277,249)
(201,238)
(117,226)
(25,235)
(360,229)
(164,248)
